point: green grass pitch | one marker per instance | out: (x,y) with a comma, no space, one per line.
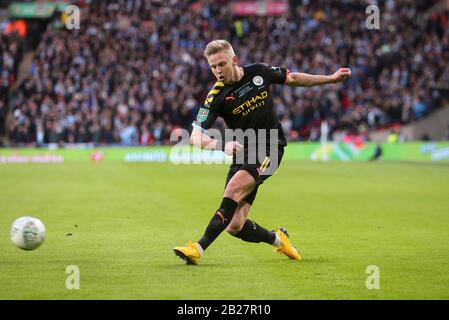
(119,223)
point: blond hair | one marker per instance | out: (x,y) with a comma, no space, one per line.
(218,46)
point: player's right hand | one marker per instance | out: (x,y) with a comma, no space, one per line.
(232,148)
(341,75)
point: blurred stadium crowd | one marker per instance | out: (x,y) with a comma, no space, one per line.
(134,71)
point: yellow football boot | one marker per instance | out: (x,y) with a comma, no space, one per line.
(286,247)
(190,253)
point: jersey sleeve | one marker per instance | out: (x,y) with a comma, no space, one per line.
(276,74)
(209,112)
(205,118)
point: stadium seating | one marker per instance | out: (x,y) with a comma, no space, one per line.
(135,71)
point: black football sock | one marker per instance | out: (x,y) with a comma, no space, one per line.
(219,222)
(252,232)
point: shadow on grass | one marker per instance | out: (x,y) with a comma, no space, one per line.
(191,266)
(239,265)
(286,260)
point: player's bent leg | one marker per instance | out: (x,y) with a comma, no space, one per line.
(239,218)
(250,231)
(241,184)
(247,230)
(243,228)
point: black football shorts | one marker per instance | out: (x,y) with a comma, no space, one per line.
(260,171)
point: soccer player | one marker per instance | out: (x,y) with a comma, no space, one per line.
(242,97)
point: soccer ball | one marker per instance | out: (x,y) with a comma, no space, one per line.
(27,233)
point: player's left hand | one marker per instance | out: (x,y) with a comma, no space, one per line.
(341,75)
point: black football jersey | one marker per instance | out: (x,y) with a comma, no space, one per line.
(247,104)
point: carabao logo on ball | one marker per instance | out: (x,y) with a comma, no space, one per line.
(27,233)
(258,80)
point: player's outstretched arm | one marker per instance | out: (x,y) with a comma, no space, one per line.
(298,79)
(203,141)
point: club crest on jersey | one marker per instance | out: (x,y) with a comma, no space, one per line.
(258,80)
(202,114)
